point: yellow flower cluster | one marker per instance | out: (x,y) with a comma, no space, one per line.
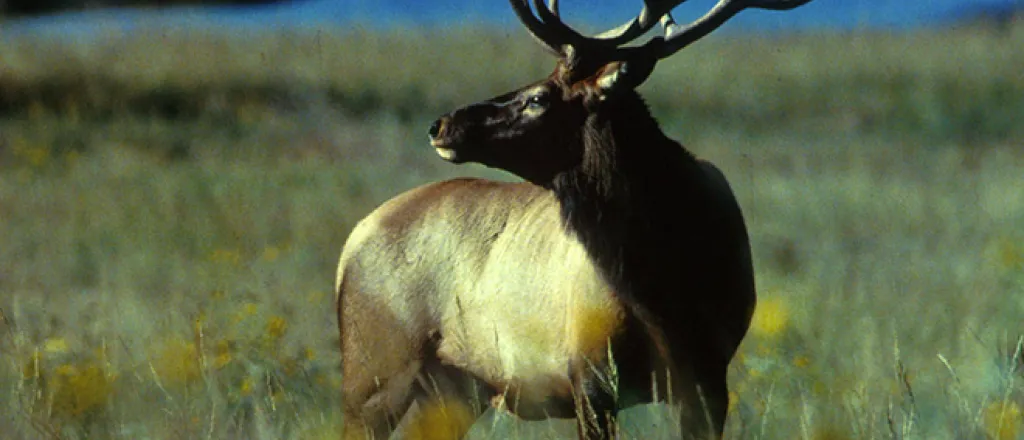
(234,257)
(77,390)
(1003,420)
(36,155)
(73,387)
(245,352)
(177,362)
(444,419)
(276,327)
(771,318)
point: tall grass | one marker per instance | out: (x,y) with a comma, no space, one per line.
(172,205)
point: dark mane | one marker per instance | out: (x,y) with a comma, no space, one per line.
(623,205)
(613,199)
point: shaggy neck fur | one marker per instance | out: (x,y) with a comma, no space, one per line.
(621,201)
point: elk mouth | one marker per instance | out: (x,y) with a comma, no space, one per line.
(445,149)
(447,142)
(449,150)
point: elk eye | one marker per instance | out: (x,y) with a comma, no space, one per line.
(537,102)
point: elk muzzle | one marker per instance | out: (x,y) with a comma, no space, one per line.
(456,135)
(441,141)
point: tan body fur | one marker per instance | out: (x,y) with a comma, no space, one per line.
(510,294)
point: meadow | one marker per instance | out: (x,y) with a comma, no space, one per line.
(173,203)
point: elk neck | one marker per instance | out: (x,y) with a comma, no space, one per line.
(621,201)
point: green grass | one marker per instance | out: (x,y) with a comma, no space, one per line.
(948,84)
(172,206)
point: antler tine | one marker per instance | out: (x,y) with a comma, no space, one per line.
(629,31)
(639,25)
(549,15)
(668,24)
(608,39)
(677,38)
(548,28)
(540,31)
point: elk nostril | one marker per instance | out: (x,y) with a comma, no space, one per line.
(435,128)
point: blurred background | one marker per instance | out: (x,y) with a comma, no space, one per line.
(831,14)
(177,179)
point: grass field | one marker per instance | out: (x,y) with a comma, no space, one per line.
(173,202)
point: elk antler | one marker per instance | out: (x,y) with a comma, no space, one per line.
(677,37)
(548,28)
(550,36)
(554,34)
(639,25)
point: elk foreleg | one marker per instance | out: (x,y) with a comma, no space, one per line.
(704,409)
(703,399)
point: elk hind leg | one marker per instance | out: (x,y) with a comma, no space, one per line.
(594,397)
(380,362)
(377,415)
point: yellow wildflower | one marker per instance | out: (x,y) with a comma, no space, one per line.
(55,345)
(245,388)
(177,362)
(830,431)
(222,354)
(76,391)
(271,253)
(734,401)
(764,350)
(1003,420)
(770,318)
(226,256)
(276,327)
(801,362)
(32,369)
(36,156)
(247,310)
(446,419)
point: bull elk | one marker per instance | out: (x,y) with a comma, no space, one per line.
(620,253)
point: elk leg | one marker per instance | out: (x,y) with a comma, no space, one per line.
(714,401)
(380,362)
(376,416)
(704,406)
(595,403)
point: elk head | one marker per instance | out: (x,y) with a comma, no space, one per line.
(536,132)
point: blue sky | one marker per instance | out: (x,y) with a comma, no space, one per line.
(843,14)
(818,13)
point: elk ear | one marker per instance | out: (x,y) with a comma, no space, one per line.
(622,75)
